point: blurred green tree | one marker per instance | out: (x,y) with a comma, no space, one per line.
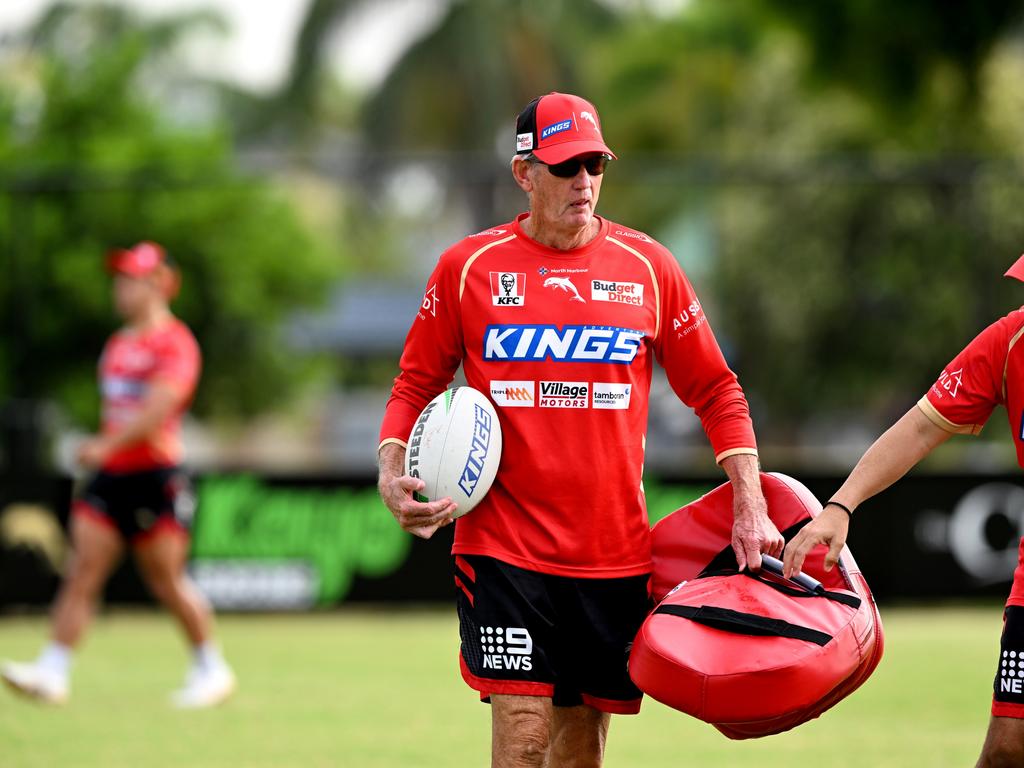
(102,146)
(845,260)
(458,87)
(464,80)
(890,51)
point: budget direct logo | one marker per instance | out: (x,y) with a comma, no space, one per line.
(617,292)
(513,394)
(477,451)
(559,127)
(611,396)
(564,394)
(508,289)
(566,344)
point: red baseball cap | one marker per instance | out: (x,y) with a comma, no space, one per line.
(559,126)
(139,260)
(1017,270)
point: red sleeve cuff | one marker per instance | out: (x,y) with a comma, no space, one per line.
(399,418)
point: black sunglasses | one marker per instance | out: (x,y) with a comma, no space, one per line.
(595,165)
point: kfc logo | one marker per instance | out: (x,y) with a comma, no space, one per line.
(508,289)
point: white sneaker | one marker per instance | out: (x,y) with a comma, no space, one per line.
(205,688)
(36,682)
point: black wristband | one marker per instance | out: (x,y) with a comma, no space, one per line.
(843,507)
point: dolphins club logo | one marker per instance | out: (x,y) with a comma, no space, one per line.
(565,284)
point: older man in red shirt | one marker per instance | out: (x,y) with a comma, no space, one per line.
(559,316)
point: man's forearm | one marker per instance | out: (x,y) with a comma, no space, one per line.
(744,473)
(391,460)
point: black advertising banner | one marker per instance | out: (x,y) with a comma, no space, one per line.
(287,543)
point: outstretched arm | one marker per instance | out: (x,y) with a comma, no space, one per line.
(890,457)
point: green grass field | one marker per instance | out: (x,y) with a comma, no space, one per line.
(381,688)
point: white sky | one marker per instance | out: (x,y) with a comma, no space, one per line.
(257,51)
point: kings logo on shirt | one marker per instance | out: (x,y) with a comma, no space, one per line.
(508,289)
(566,344)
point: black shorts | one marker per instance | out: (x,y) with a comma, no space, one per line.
(534,634)
(1008,690)
(139,504)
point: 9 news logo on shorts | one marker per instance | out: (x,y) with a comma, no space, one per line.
(506,648)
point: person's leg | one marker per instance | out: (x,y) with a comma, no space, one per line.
(161,558)
(578,736)
(1004,744)
(520,731)
(96,547)
(601,618)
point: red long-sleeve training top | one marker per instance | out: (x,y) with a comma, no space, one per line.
(563,343)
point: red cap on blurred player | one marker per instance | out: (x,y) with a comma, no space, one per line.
(1017,270)
(139,260)
(559,126)
(143,259)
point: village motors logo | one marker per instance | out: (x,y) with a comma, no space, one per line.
(513,394)
(508,289)
(564,394)
(506,648)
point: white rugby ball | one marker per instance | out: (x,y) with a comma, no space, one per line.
(455,448)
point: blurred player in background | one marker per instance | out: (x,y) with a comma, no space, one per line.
(988,372)
(558,316)
(139,494)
